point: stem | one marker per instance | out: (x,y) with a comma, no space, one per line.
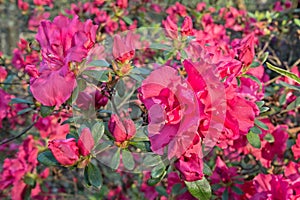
(19,135)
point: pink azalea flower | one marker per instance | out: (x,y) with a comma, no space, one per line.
(296,148)
(50,127)
(3,74)
(65,151)
(190,164)
(245,49)
(62,41)
(172,111)
(4,107)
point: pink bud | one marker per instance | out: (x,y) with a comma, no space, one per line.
(65,151)
(121,130)
(187,26)
(170,28)
(86,142)
(123,50)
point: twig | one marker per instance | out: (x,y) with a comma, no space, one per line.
(296,63)
(19,135)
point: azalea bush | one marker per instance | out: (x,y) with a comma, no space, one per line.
(150,100)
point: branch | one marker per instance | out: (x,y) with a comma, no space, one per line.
(19,135)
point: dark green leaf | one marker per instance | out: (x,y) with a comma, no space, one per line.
(161,190)
(29,180)
(200,189)
(284,72)
(99,63)
(115,161)
(237,190)
(46,110)
(94,175)
(128,160)
(176,188)
(97,131)
(225,195)
(261,124)
(86,177)
(254,139)
(18,100)
(140,71)
(101,76)
(47,158)
(21,112)
(144,146)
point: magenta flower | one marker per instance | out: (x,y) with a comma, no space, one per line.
(4,107)
(62,41)
(124,47)
(172,110)
(65,151)
(296,148)
(190,164)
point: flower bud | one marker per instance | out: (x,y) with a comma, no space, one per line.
(65,151)
(86,142)
(121,130)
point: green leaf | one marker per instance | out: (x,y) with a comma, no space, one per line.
(237,190)
(161,190)
(294,105)
(46,110)
(94,175)
(97,131)
(29,180)
(293,87)
(152,160)
(261,124)
(127,20)
(269,138)
(264,57)
(144,146)
(101,76)
(254,139)
(47,158)
(263,109)
(18,100)
(99,63)
(158,171)
(21,112)
(183,54)
(206,170)
(81,84)
(160,46)
(140,70)
(297,22)
(284,72)
(115,161)
(120,87)
(254,64)
(86,177)
(256,130)
(282,99)
(176,188)
(260,103)
(200,189)
(225,195)
(128,160)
